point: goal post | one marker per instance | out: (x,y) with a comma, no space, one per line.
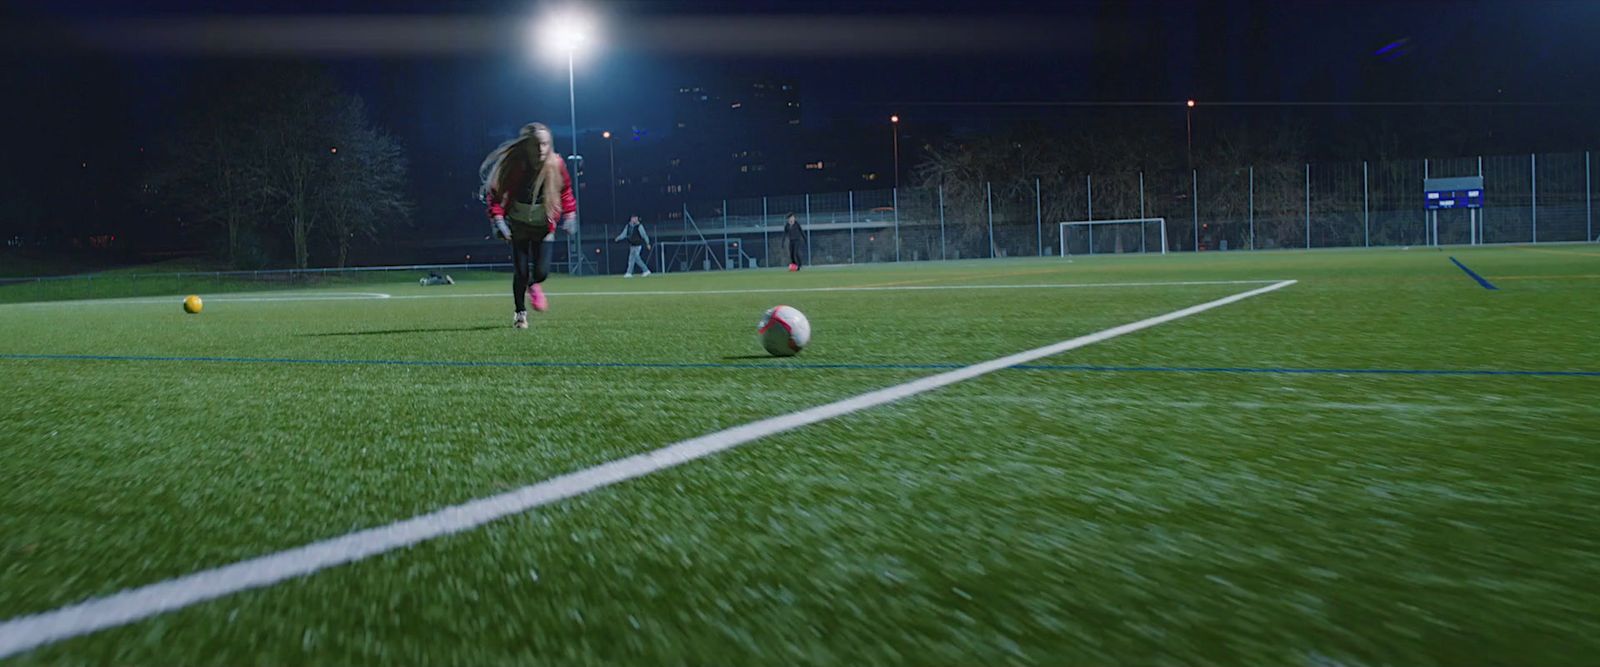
(1108,237)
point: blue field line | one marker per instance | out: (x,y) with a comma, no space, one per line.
(793,366)
(1486,284)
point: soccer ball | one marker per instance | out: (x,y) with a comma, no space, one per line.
(191,304)
(784,331)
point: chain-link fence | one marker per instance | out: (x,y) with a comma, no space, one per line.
(1527,199)
(1538,198)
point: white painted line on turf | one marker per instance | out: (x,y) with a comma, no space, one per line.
(340,296)
(330,296)
(886,288)
(217,298)
(29,632)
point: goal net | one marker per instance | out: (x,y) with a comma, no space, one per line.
(1106,237)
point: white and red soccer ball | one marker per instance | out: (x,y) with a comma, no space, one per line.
(784,331)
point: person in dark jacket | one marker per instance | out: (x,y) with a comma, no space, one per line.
(636,237)
(797,241)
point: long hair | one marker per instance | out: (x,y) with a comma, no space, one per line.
(492,173)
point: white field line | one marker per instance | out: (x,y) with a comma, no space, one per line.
(885,288)
(232,297)
(28,632)
(340,296)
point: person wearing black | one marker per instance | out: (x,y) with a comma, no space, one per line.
(528,189)
(797,242)
(636,237)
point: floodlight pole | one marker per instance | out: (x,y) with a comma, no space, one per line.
(574,239)
(611,162)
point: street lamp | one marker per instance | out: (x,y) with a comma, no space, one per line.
(611,148)
(563,34)
(1188,127)
(894,122)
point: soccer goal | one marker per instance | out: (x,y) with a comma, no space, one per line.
(1106,237)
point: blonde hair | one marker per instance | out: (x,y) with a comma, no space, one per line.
(492,173)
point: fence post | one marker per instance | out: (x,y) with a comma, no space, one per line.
(988,201)
(1533,192)
(896,194)
(1588,200)
(941,221)
(1194,203)
(810,253)
(1252,207)
(725,266)
(1366,209)
(605,233)
(1141,195)
(852,195)
(1483,215)
(766,246)
(1141,224)
(1308,206)
(1426,236)
(1088,189)
(1038,216)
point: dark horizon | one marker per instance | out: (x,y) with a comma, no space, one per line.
(450,83)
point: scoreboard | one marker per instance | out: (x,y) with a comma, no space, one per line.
(1449,193)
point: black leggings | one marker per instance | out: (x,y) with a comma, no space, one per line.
(796,249)
(532,252)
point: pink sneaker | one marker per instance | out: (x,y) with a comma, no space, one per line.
(536,295)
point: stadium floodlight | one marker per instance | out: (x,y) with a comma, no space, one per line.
(563,34)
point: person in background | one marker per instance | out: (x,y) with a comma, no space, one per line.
(636,237)
(797,241)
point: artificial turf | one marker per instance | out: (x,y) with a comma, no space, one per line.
(1127,502)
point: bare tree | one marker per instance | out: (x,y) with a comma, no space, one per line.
(283,148)
(362,191)
(206,170)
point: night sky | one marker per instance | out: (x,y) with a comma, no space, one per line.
(449,79)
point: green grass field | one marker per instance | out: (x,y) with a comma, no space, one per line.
(1319,475)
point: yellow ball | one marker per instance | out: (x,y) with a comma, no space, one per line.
(191,304)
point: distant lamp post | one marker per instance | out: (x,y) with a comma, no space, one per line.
(611,149)
(894,122)
(1188,125)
